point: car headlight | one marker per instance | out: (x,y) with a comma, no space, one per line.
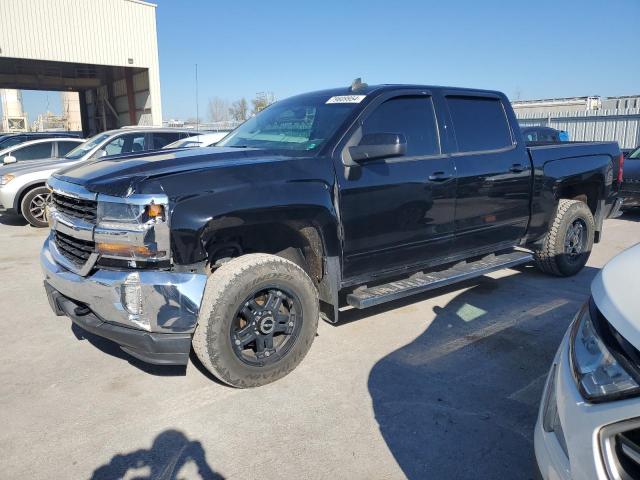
(134,230)
(6,178)
(128,215)
(598,373)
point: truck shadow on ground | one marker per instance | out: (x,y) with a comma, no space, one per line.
(12,220)
(461,400)
(632,215)
(113,349)
(171,456)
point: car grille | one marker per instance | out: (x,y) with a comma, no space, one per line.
(628,452)
(75,207)
(77,251)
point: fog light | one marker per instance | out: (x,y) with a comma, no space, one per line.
(132,294)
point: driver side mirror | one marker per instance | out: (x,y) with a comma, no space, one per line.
(379,145)
(9,159)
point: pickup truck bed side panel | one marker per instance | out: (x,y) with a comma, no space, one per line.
(561,171)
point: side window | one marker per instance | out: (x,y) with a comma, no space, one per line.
(33,152)
(115,146)
(413,117)
(160,139)
(66,147)
(480,123)
(530,137)
(133,142)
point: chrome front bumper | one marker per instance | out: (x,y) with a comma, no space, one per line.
(170,300)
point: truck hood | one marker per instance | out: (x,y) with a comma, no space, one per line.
(119,176)
(617,299)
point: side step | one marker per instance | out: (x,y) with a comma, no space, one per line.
(421,282)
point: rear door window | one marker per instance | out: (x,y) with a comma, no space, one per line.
(411,116)
(33,152)
(480,123)
(160,139)
(65,147)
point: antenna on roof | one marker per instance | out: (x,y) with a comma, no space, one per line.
(358,85)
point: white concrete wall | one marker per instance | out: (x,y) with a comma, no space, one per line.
(100,32)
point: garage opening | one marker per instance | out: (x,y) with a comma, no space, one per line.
(102,97)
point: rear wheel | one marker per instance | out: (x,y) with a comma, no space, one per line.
(258,319)
(567,245)
(33,206)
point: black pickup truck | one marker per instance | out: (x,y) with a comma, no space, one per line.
(351,196)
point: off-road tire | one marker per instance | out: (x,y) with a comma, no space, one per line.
(551,257)
(25,206)
(225,291)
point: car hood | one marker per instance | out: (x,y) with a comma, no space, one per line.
(23,168)
(615,296)
(119,176)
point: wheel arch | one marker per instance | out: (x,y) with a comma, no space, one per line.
(24,190)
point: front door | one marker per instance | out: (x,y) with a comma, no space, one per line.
(398,212)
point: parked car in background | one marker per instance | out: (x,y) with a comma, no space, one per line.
(47,148)
(9,139)
(202,140)
(630,191)
(22,185)
(357,195)
(589,421)
(542,135)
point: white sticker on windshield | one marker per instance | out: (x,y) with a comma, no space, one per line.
(346,99)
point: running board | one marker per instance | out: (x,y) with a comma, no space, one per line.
(422,282)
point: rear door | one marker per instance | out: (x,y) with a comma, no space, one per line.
(493,177)
(397,212)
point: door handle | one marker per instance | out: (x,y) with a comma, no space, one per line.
(517,168)
(439,176)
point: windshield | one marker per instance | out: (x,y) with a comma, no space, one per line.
(635,155)
(82,149)
(301,124)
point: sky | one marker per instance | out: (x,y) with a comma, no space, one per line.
(533,49)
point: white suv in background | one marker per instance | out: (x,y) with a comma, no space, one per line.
(589,420)
(22,184)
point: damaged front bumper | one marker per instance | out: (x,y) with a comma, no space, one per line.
(150,314)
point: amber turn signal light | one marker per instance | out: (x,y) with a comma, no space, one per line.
(155,211)
(123,249)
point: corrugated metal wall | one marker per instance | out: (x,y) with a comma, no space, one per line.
(118,33)
(622,126)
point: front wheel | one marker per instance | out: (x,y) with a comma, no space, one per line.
(258,319)
(567,245)
(33,206)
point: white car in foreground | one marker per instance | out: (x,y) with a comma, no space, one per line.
(589,421)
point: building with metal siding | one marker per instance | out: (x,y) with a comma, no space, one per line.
(586,118)
(105,49)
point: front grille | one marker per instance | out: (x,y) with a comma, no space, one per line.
(75,207)
(77,251)
(628,452)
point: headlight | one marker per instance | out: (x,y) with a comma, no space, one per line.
(112,214)
(599,375)
(135,230)
(6,178)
